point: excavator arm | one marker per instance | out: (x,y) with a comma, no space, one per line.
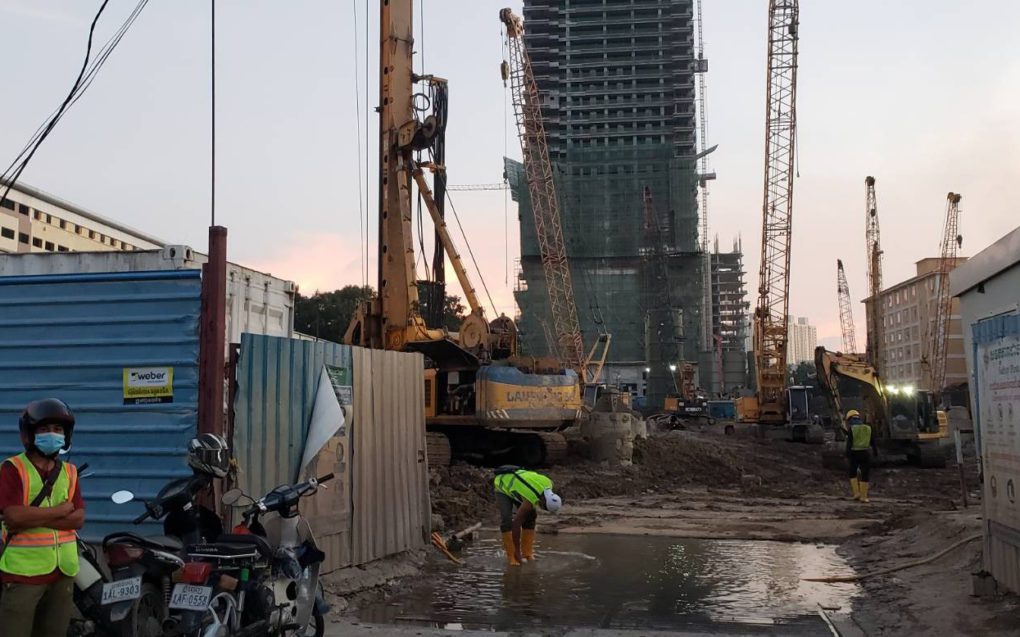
(833,366)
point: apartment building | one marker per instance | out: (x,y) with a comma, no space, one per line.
(801,342)
(907,314)
(35,221)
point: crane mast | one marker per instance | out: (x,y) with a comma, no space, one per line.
(846,314)
(873,241)
(709,337)
(939,343)
(771,332)
(545,205)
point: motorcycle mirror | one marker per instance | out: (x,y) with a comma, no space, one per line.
(232,497)
(122,497)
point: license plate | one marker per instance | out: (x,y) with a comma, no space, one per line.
(190,597)
(122,590)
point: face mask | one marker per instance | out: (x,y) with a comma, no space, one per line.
(49,443)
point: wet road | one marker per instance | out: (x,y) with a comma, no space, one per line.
(626,583)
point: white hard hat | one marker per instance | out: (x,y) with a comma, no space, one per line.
(553,502)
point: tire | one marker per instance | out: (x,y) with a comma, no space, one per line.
(147,614)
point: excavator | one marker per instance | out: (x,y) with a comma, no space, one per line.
(904,420)
(483,400)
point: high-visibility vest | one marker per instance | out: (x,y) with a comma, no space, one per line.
(861,436)
(40,551)
(521,485)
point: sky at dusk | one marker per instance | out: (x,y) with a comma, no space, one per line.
(924,95)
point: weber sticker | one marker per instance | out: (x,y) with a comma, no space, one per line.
(148,385)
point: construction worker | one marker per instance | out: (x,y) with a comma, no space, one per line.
(860,444)
(519,494)
(42,508)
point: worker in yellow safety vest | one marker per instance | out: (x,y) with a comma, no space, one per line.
(860,443)
(42,508)
(519,494)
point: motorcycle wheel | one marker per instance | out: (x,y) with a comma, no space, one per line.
(147,615)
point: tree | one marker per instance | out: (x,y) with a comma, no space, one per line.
(803,373)
(453,312)
(326,315)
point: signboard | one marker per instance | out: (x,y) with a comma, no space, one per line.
(999,371)
(148,385)
(340,378)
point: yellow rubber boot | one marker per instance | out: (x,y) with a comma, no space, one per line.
(864,492)
(528,544)
(855,486)
(508,546)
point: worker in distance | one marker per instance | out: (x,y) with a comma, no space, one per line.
(860,444)
(520,494)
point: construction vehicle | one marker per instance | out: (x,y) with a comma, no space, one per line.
(904,420)
(482,400)
(517,70)
(687,405)
(776,412)
(873,242)
(934,360)
(846,313)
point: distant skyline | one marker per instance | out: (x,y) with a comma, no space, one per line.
(922,95)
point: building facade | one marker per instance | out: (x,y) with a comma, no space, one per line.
(34,221)
(616,79)
(907,314)
(802,340)
(729,320)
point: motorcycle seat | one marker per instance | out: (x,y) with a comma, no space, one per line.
(248,540)
(159,542)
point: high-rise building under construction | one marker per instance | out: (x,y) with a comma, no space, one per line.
(616,79)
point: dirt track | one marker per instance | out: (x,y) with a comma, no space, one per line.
(704,484)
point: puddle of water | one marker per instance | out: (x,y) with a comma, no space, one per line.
(627,582)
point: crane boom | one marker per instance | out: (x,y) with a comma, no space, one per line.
(846,313)
(545,205)
(939,343)
(873,241)
(771,332)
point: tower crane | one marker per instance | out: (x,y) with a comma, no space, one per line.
(545,207)
(939,341)
(846,314)
(710,339)
(770,316)
(873,241)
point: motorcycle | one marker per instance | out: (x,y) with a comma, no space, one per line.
(267,569)
(144,567)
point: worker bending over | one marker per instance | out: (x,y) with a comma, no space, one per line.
(519,494)
(860,443)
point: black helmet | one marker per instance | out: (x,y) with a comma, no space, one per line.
(48,411)
(209,454)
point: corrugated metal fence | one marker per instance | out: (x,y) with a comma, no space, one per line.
(378,505)
(76,337)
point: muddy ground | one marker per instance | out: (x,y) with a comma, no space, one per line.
(707,485)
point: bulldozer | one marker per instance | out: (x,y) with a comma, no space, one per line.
(904,420)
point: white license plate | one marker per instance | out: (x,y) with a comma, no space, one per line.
(190,597)
(122,590)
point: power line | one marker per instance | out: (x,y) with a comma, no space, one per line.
(361,195)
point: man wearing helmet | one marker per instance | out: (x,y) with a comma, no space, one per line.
(860,443)
(519,494)
(42,508)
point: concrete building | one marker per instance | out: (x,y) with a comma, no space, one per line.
(34,221)
(616,78)
(907,314)
(803,339)
(729,319)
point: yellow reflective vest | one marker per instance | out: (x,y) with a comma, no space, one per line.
(40,551)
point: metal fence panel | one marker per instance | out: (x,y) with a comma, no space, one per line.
(71,337)
(390,479)
(277,379)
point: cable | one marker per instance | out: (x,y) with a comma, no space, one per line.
(212,111)
(886,571)
(471,253)
(362,221)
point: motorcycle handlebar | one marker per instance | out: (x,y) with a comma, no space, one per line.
(141,518)
(325,478)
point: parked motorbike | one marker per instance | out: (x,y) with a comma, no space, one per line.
(265,574)
(144,567)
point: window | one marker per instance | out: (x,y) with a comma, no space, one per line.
(115,243)
(81,230)
(6,233)
(22,237)
(22,208)
(49,246)
(62,249)
(38,215)
(8,204)
(93,234)
(63,225)
(37,242)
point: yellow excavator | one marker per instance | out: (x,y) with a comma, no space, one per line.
(482,400)
(904,420)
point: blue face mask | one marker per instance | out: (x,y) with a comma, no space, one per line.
(49,443)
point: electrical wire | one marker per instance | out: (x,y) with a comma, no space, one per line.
(85,78)
(471,253)
(362,221)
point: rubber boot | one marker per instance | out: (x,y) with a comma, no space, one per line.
(864,492)
(528,544)
(508,546)
(855,486)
